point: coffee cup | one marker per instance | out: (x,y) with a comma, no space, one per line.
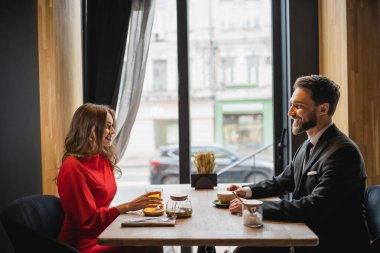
(225,197)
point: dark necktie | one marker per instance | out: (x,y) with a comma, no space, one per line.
(309,147)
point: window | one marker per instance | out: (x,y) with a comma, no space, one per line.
(227,39)
(165,132)
(159,75)
(245,130)
(156,125)
(230,111)
(228,70)
(253,69)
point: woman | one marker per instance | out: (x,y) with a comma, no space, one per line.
(86,182)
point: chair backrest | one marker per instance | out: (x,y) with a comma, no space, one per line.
(33,224)
(372,203)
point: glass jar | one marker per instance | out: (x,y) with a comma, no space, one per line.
(178,206)
(253,213)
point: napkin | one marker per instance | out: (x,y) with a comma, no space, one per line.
(148,221)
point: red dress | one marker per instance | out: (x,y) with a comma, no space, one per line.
(86,189)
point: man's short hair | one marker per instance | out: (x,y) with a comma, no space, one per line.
(323,90)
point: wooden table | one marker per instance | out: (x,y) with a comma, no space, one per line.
(207,226)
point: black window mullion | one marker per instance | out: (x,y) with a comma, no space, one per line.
(280,91)
(183,92)
(295,53)
(303,50)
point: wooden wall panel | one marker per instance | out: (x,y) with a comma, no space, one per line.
(354,26)
(333,53)
(60,69)
(363,24)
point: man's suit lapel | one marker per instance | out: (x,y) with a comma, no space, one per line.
(319,147)
(298,165)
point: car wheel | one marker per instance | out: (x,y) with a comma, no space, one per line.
(170,179)
(255,177)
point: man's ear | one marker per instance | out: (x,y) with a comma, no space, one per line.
(324,108)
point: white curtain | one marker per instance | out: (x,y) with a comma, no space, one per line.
(132,79)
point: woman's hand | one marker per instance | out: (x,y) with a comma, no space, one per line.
(236,206)
(143,201)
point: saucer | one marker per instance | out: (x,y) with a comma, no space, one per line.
(220,205)
(152,211)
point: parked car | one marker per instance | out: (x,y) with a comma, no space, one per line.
(164,165)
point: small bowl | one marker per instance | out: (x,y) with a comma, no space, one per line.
(225,197)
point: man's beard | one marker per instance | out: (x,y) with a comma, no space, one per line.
(305,125)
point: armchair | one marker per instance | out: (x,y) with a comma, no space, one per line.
(33,224)
(372,203)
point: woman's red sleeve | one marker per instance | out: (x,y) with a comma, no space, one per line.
(78,202)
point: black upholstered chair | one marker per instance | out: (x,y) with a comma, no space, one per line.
(372,202)
(33,223)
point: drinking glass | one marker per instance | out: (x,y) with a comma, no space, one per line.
(154,189)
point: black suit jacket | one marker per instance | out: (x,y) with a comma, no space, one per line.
(328,194)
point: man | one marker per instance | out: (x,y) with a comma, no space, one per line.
(327,182)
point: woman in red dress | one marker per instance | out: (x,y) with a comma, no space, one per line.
(87,185)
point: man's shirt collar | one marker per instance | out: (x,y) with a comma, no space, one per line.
(315,138)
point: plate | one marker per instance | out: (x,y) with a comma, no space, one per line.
(152,211)
(220,205)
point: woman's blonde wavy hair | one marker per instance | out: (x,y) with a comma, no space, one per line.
(90,119)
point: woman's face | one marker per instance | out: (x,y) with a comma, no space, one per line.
(108,131)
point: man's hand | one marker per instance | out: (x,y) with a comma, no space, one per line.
(232,187)
(237,189)
(236,206)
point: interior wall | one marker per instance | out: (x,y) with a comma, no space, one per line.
(20,159)
(60,68)
(363,34)
(350,42)
(333,53)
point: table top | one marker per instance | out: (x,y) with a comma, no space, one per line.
(208,225)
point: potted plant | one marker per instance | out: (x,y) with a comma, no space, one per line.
(205,165)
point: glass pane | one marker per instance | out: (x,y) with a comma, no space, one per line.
(231,85)
(151,156)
